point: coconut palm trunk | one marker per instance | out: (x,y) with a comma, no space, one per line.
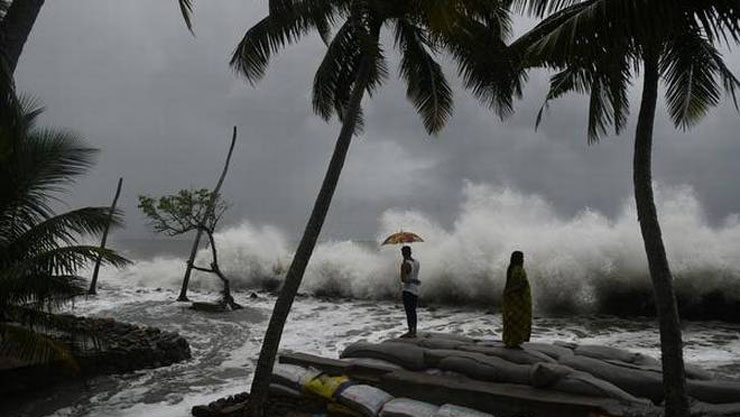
(104,239)
(271,342)
(15,28)
(674,381)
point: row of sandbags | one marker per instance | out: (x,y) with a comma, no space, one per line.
(357,400)
(592,370)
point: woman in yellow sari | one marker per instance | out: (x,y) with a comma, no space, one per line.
(517,312)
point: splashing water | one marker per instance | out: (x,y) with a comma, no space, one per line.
(584,263)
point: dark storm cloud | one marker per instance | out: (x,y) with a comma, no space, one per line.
(159,104)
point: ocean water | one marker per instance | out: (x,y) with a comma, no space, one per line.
(225,346)
(578,266)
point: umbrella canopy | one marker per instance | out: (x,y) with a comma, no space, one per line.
(402,237)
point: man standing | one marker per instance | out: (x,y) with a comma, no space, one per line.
(410,293)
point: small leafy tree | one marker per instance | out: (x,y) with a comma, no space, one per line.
(186,211)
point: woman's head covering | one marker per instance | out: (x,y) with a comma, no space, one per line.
(517,258)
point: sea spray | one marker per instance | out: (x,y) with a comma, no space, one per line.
(582,263)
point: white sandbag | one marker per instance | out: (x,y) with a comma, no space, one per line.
(446,336)
(365,399)
(405,407)
(605,353)
(586,384)
(545,375)
(553,351)
(440,343)
(409,356)
(640,383)
(292,376)
(488,369)
(278,389)
(375,364)
(520,356)
(451,410)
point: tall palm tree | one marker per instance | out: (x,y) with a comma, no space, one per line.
(39,254)
(353,65)
(17,18)
(597,46)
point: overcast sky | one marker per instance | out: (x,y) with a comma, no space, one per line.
(160,104)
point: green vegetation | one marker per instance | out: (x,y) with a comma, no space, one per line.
(187,211)
(39,251)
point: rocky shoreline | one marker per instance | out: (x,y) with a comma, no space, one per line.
(111,347)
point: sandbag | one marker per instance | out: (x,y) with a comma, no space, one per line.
(714,392)
(446,336)
(375,364)
(409,356)
(520,356)
(440,343)
(544,375)
(562,378)
(405,407)
(292,376)
(567,345)
(432,357)
(487,369)
(365,399)
(586,384)
(553,351)
(451,410)
(278,389)
(647,363)
(606,353)
(640,383)
(325,386)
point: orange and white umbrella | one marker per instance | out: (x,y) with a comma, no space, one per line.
(402,237)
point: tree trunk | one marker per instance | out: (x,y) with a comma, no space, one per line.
(271,342)
(96,270)
(674,379)
(227,298)
(199,233)
(15,28)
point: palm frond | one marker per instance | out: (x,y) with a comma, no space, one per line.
(37,290)
(32,347)
(427,86)
(692,67)
(541,8)
(63,228)
(186,9)
(489,69)
(274,32)
(337,69)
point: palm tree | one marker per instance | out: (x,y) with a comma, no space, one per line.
(597,47)
(18,18)
(353,65)
(39,254)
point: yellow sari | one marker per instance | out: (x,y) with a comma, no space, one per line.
(517,311)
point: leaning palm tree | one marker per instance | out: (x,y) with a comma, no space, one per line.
(17,18)
(354,64)
(597,47)
(39,253)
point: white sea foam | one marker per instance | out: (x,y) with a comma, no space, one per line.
(571,261)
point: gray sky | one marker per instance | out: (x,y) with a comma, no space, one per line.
(160,105)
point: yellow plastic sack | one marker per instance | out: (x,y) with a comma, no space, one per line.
(325,385)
